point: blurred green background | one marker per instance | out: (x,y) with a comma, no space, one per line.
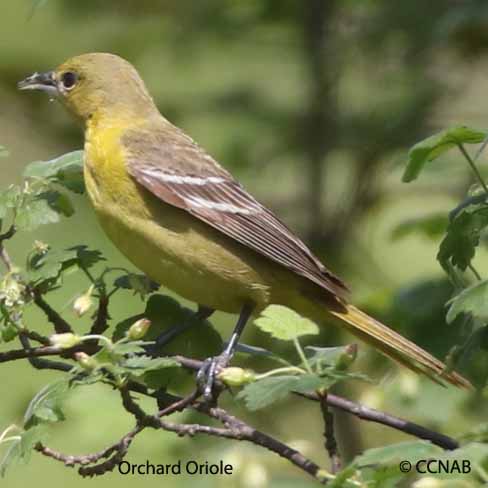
(313,106)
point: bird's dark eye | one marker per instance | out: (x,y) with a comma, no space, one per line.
(69,79)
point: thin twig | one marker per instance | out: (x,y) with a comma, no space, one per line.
(473,167)
(39,362)
(329,434)
(4,256)
(100,324)
(60,325)
(377,416)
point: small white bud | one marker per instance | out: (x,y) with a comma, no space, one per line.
(83,303)
(85,361)
(138,329)
(65,340)
(234,376)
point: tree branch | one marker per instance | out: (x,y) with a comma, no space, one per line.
(329,435)
(60,325)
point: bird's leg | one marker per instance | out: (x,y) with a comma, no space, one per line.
(168,335)
(212,366)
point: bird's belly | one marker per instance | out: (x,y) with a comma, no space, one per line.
(187,256)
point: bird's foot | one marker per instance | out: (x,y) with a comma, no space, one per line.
(207,380)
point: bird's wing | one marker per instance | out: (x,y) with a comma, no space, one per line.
(172,167)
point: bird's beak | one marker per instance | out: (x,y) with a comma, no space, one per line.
(40,81)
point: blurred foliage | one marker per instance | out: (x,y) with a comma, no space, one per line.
(328,95)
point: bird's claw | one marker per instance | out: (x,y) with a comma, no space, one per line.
(207,380)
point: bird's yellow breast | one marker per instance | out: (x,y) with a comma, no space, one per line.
(168,244)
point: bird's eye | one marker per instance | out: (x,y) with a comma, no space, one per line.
(69,79)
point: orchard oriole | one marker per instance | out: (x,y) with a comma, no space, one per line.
(189,225)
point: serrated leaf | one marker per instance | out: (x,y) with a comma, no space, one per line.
(139,365)
(48,265)
(53,263)
(432,147)
(141,284)
(134,347)
(46,405)
(285,324)
(266,391)
(35,213)
(462,237)
(327,356)
(21,449)
(430,226)
(66,170)
(472,300)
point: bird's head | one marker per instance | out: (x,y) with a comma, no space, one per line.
(95,84)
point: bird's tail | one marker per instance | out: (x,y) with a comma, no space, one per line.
(397,347)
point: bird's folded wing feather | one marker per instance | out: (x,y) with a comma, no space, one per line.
(172,167)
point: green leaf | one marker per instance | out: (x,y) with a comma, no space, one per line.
(59,202)
(3,152)
(133,347)
(409,450)
(264,392)
(200,340)
(66,170)
(141,284)
(472,300)
(432,147)
(49,266)
(284,323)
(46,405)
(9,199)
(8,332)
(430,226)
(479,434)
(463,236)
(139,365)
(35,213)
(331,357)
(21,449)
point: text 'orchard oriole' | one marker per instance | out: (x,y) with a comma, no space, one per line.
(188,224)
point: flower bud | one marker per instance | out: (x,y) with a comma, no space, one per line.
(234,376)
(347,357)
(65,341)
(85,361)
(83,303)
(138,329)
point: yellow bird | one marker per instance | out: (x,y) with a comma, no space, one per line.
(188,224)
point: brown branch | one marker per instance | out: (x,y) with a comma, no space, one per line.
(100,324)
(120,448)
(361,411)
(329,435)
(39,362)
(4,256)
(60,325)
(364,413)
(372,415)
(242,431)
